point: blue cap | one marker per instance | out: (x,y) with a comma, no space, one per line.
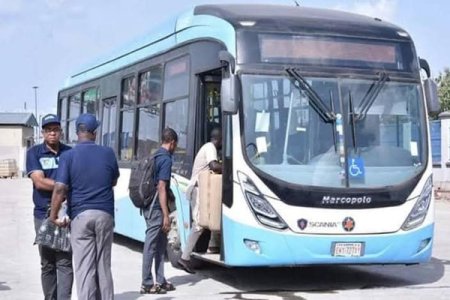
(50,119)
(89,121)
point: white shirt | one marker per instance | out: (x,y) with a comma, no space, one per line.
(205,155)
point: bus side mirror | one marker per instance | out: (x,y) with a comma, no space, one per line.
(228,88)
(431,95)
(430,88)
(425,66)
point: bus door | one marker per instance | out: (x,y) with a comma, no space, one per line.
(209,116)
(209,110)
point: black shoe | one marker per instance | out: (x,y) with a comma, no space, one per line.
(213,250)
(184,264)
(168,286)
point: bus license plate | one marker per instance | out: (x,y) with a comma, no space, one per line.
(348,249)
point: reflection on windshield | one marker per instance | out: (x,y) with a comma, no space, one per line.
(287,138)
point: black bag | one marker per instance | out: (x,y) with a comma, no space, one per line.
(54,237)
(142,185)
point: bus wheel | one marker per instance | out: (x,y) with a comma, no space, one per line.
(173,248)
(173,255)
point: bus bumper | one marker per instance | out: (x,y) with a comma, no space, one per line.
(281,248)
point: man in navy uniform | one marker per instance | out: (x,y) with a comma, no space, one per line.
(157,219)
(86,176)
(42,165)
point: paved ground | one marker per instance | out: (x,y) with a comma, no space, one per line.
(19,271)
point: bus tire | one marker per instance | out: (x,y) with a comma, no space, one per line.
(173,255)
(173,249)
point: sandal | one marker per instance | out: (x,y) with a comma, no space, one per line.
(154,289)
(168,286)
(145,289)
(157,289)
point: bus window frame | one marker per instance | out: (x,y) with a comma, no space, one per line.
(100,132)
(97,97)
(63,120)
(186,168)
(69,117)
(120,111)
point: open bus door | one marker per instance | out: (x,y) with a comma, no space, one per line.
(208,116)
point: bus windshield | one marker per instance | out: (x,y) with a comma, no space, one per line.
(374,135)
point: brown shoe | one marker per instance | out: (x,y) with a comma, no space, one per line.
(185,265)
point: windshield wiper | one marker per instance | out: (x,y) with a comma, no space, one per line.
(371,95)
(316,102)
(352,118)
(334,131)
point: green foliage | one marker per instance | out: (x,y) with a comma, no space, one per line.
(443,82)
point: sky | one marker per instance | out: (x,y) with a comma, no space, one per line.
(42,42)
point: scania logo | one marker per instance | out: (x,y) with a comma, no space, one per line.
(345,200)
(348,224)
(302,223)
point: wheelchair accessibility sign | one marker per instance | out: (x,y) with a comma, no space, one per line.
(356,168)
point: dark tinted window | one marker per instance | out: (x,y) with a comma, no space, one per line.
(176,117)
(150,85)
(148,132)
(176,78)
(74,112)
(63,114)
(109,121)
(324,51)
(90,101)
(127,111)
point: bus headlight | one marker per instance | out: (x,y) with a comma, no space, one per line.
(261,208)
(420,209)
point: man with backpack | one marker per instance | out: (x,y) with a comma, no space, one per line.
(157,218)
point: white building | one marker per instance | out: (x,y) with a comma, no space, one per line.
(16,136)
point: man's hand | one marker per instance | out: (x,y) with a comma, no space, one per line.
(58,196)
(166,224)
(63,222)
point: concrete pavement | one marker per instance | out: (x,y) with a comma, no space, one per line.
(20,269)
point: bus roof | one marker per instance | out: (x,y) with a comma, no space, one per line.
(220,22)
(302,19)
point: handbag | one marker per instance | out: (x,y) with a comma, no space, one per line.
(52,236)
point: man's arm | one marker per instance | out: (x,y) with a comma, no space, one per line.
(162,195)
(212,158)
(215,166)
(58,197)
(41,182)
(115,168)
(35,172)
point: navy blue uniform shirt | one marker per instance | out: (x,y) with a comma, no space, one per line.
(163,168)
(40,158)
(89,171)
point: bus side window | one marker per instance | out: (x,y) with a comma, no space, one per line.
(108,130)
(176,117)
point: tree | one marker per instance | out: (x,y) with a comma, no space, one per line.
(443,82)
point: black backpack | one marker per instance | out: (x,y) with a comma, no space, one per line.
(142,186)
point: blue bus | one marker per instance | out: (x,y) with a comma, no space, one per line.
(326,151)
